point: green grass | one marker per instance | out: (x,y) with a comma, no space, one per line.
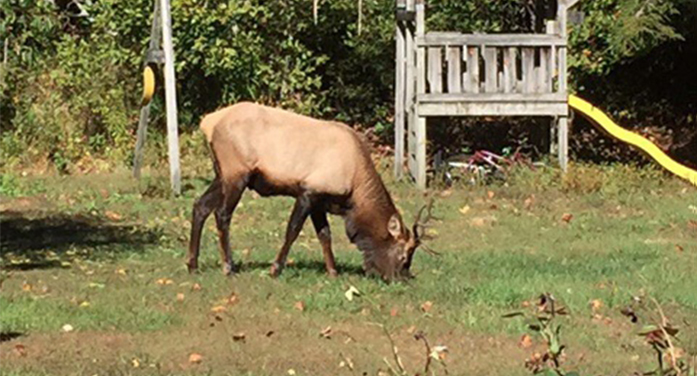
(97,245)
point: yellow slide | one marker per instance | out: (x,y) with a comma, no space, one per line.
(602,120)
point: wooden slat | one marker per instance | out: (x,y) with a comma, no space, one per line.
(492,97)
(509,71)
(493,109)
(410,95)
(466,83)
(400,97)
(419,172)
(492,40)
(435,69)
(454,59)
(543,82)
(528,61)
(473,68)
(490,70)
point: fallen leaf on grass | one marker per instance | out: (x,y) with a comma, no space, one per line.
(394,312)
(291,372)
(679,248)
(121,271)
(232,299)
(20,350)
(113,215)
(525,341)
(164,281)
(195,358)
(269,333)
(566,217)
(464,210)
(490,194)
(27,286)
(300,306)
(527,204)
(351,293)
(135,363)
(427,306)
(85,304)
(218,309)
(67,328)
(180,297)
(596,304)
(239,336)
(439,352)
(326,332)
(411,329)
(196,287)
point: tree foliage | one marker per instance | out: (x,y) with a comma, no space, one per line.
(71,86)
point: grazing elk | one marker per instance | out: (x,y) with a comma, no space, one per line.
(323,164)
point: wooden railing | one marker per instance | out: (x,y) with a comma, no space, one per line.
(491,63)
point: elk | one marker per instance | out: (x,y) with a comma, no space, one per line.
(324,165)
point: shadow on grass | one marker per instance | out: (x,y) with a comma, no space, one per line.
(312,266)
(9,336)
(31,238)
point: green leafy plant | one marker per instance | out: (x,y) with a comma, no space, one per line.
(541,321)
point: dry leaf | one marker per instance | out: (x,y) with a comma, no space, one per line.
(596,304)
(270,333)
(566,217)
(27,286)
(411,329)
(351,292)
(135,362)
(439,352)
(427,306)
(121,271)
(300,306)
(113,215)
(67,328)
(85,304)
(393,312)
(232,299)
(679,248)
(692,224)
(239,336)
(196,287)
(525,341)
(180,297)
(195,358)
(218,309)
(465,209)
(20,350)
(164,281)
(291,372)
(528,203)
(490,194)
(326,332)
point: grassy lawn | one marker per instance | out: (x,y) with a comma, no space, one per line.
(105,255)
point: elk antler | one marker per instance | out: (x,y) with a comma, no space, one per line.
(420,224)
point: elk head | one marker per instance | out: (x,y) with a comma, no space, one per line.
(404,243)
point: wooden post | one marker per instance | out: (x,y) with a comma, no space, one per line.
(420,146)
(400,98)
(171,99)
(410,97)
(551,28)
(563,124)
(145,110)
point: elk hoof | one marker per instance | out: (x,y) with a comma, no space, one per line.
(192,267)
(275,270)
(228,269)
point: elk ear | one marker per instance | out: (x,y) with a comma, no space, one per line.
(394,226)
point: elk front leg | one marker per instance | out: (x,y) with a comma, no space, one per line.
(203,207)
(223,216)
(319,220)
(301,210)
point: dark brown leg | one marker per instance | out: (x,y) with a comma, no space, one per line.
(223,216)
(301,210)
(319,220)
(203,207)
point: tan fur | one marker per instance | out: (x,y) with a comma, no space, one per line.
(291,149)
